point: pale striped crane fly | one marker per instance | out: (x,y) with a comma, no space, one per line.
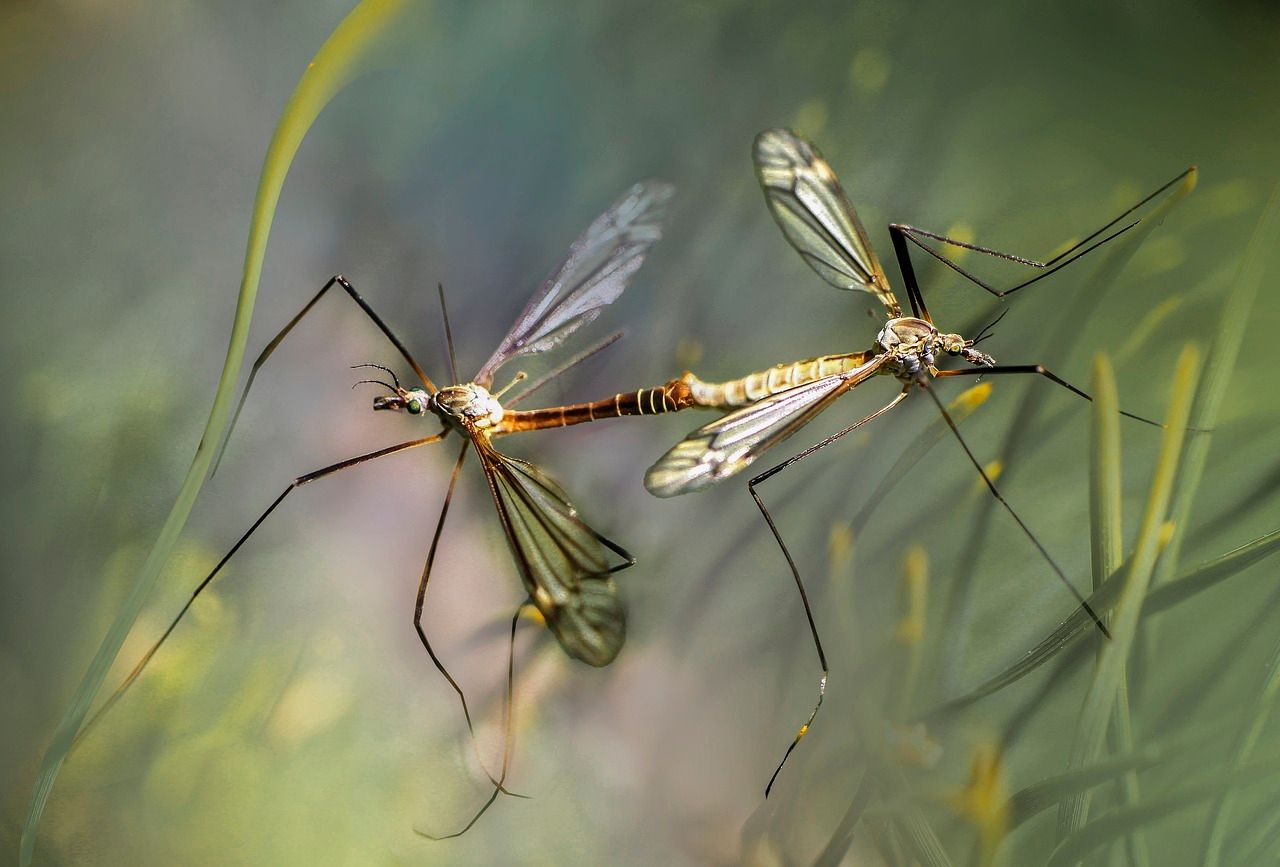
(566,566)
(809,205)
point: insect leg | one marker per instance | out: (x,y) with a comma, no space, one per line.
(294,485)
(1039,370)
(795,571)
(420,602)
(507,738)
(995,492)
(336,280)
(902,233)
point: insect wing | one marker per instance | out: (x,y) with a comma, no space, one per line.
(563,562)
(810,207)
(593,274)
(728,445)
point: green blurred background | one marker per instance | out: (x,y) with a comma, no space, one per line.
(294,719)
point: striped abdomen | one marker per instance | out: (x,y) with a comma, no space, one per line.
(671,397)
(761,384)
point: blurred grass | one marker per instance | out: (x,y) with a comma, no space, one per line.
(349,51)
(295,721)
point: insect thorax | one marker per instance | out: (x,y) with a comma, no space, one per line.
(469,404)
(914,345)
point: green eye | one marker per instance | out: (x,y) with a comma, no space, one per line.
(414,406)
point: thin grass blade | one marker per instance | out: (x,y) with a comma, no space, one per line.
(1095,714)
(351,49)
(1117,823)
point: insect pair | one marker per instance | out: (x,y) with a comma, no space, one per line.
(566,566)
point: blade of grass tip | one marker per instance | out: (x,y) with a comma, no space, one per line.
(1100,699)
(1102,600)
(347,52)
(1107,553)
(1118,822)
(1053,351)
(1220,362)
(1211,573)
(1246,741)
(1034,799)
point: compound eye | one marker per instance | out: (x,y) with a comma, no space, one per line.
(414,406)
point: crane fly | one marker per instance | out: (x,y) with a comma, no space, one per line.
(809,205)
(565,565)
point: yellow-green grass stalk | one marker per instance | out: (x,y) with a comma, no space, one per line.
(355,46)
(1097,708)
(1106,554)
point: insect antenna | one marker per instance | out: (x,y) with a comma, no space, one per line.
(381,367)
(373,382)
(995,492)
(987,330)
(448,335)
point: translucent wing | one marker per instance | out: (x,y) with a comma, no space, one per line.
(564,563)
(728,445)
(592,275)
(809,205)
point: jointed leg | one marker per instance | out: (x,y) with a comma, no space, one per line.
(795,571)
(507,738)
(336,280)
(995,492)
(902,233)
(294,485)
(1039,370)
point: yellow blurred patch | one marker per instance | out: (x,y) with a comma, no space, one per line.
(869,70)
(984,800)
(960,232)
(1228,198)
(688,352)
(811,117)
(971,398)
(839,544)
(915,584)
(1159,254)
(310,704)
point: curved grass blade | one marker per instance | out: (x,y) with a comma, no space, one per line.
(350,50)
(1119,822)
(1095,714)
(1107,553)
(1246,742)
(1032,800)
(1103,600)
(1219,364)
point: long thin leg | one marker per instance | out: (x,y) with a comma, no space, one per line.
(422,590)
(995,492)
(902,233)
(335,280)
(1039,370)
(507,739)
(795,571)
(294,485)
